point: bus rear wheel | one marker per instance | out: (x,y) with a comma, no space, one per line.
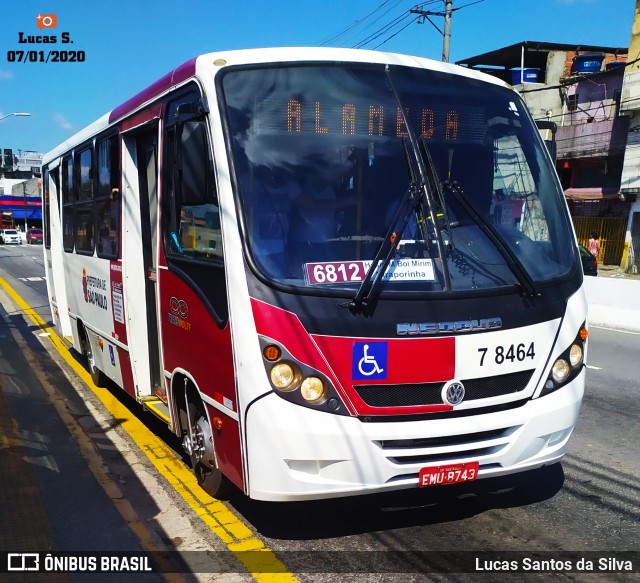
(199,447)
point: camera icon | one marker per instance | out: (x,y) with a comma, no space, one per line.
(46,21)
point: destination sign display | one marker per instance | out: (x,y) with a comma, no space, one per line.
(323,118)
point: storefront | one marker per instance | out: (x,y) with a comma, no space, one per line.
(26,210)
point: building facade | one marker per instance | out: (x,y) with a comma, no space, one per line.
(21,188)
(579,88)
(22,161)
(630,183)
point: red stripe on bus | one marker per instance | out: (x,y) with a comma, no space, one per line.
(286,328)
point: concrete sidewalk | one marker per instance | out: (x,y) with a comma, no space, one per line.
(613,298)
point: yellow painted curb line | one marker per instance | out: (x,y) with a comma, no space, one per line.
(265,567)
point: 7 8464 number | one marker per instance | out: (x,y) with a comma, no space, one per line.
(511,353)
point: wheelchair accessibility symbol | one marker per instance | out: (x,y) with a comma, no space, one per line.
(369,360)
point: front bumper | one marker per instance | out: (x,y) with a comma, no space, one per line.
(296,453)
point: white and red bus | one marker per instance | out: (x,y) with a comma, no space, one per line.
(330,271)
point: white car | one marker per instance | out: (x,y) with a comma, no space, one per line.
(10,236)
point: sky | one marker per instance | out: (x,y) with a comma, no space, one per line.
(128,44)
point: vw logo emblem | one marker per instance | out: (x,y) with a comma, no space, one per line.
(453,393)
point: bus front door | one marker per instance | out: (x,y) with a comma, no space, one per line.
(140,167)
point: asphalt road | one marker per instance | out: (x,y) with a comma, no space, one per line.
(587,505)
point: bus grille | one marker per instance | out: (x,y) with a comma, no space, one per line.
(409,395)
(447,448)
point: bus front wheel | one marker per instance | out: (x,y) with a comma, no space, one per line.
(97,376)
(198,443)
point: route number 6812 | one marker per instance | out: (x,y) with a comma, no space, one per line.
(511,353)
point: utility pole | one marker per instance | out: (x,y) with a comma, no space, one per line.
(24,196)
(446,34)
(446,41)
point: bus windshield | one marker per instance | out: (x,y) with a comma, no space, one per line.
(323,163)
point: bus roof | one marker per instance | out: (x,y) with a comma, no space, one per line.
(222,59)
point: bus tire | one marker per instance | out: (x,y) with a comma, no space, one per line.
(202,456)
(97,376)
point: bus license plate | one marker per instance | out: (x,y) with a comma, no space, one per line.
(451,474)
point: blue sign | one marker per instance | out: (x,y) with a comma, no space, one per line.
(369,361)
(112,355)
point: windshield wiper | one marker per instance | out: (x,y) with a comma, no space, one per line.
(527,284)
(420,190)
(436,187)
(409,204)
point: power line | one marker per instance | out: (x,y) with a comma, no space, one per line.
(470,4)
(397,24)
(377,34)
(383,14)
(388,27)
(395,34)
(393,24)
(358,22)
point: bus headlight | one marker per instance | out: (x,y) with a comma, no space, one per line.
(560,370)
(282,376)
(568,364)
(312,389)
(575,355)
(299,383)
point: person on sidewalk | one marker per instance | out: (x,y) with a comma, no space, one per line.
(594,246)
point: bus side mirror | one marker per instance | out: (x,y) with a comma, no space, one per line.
(552,146)
(194,174)
(553,149)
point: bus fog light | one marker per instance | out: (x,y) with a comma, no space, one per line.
(575,355)
(312,389)
(333,404)
(558,437)
(282,376)
(560,370)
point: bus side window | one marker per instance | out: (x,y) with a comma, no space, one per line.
(84,229)
(68,204)
(197,223)
(191,231)
(108,198)
(46,210)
